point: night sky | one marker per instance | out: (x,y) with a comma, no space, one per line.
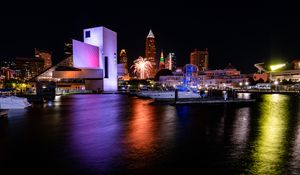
(242,34)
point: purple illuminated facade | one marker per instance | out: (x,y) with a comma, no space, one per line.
(99,50)
(106,40)
(85,55)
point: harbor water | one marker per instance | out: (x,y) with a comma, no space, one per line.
(117,134)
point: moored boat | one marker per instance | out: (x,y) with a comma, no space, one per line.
(171,95)
(13,102)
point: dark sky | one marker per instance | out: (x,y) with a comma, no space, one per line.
(242,34)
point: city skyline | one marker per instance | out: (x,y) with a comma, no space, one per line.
(241,36)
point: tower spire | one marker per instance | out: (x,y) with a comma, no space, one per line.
(150,35)
(162,53)
(150,53)
(161,60)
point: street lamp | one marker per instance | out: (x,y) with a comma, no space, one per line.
(56,84)
(224,85)
(276,83)
(241,85)
(246,84)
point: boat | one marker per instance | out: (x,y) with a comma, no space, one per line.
(148,93)
(171,95)
(13,102)
(3,112)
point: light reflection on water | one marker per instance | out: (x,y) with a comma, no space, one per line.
(151,129)
(269,148)
(296,145)
(240,135)
(244,95)
(142,134)
(108,134)
(96,131)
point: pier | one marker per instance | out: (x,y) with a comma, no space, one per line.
(206,101)
(215,101)
(262,91)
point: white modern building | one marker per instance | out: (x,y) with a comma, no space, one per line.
(93,64)
(106,40)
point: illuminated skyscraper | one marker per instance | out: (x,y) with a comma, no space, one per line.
(150,52)
(200,59)
(124,60)
(170,62)
(161,61)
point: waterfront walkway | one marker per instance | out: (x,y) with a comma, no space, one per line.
(215,101)
(263,91)
(206,101)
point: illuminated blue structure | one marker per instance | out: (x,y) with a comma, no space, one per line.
(190,73)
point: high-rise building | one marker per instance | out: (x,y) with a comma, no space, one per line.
(161,61)
(124,60)
(170,62)
(200,59)
(46,56)
(150,52)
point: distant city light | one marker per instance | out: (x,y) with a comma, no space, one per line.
(240,83)
(247,83)
(277,66)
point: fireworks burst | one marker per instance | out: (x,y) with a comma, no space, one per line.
(142,67)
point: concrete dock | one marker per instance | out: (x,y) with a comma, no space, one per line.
(215,101)
(206,101)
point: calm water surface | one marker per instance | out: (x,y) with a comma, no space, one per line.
(117,134)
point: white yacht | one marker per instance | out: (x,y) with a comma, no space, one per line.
(170,95)
(13,102)
(146,94)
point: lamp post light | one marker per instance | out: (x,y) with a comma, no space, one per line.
(57,91)
(224,85)
(246,84)
(276,85)
(241,85)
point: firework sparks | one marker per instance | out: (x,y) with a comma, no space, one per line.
(142,67)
